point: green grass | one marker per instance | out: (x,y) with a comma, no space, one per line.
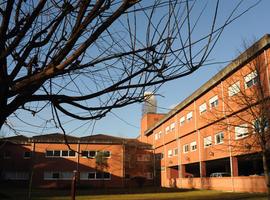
(134,194)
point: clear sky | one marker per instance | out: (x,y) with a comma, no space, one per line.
(125,122)
(253,25)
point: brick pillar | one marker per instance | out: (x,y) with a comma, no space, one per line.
(234,166)
(182,171)
(203,169)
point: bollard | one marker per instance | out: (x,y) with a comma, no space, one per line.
(73,185)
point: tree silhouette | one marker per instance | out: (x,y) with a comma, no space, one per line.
(83,58)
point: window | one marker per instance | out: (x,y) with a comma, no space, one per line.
(259,125)
(189,116)
(251,79)
(159,134)
(219,138)
(66,175)
(27,154)
(103,175)
(58,175)
(193,146)
(84,154)
(213,102)
(56,153)
(182,121)
(172,126)
(49,153)
(167,129)
(241,131)
(149,175)
(60,153)
(156,136)
(55,175)
(107,175)
(15,175)
(91,175)
(64,153)
(92,154)
(185,148)
(170,153)
(71,153)
(234,89)
(106,154)
(87,175)
(175,152)
(202,108)
(207,141)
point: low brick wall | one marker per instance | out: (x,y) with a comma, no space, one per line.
(236,184)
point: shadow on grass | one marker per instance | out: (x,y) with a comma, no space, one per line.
(145,193)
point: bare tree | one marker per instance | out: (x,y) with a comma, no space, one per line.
(245,115)
(83,58)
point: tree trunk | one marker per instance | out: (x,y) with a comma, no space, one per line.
(266,173)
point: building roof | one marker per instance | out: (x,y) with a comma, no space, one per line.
(101,138)
(257,48)
(54,138)
(18,139)
(59,138)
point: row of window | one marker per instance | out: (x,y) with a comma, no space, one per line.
(93,154)
(60,175)
(70,153)
(241,131)
(26,154)
(250,80)
(57,175)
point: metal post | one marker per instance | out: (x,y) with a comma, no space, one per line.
(73,185)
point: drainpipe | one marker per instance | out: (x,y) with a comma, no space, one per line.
(124,168)
(78,156)
(267,72)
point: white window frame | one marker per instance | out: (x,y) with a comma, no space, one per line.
(221,138)
(167,129)
(213,102)
(241,131)
(234,89)
(207,141)
(159,134)
(156,136)
(182,121)
(251,77)
(170,153)
(175,152)
(185,148)
(189,116)
(172,126)
(192,145)
(203,108)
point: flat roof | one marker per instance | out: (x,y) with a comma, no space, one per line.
(242,59)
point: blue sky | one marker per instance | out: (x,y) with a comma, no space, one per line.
(253,25)
(125,122)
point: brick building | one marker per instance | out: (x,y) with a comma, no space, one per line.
(192,146)
(196,140)
(102,161)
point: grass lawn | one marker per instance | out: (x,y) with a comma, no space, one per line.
(135,194)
